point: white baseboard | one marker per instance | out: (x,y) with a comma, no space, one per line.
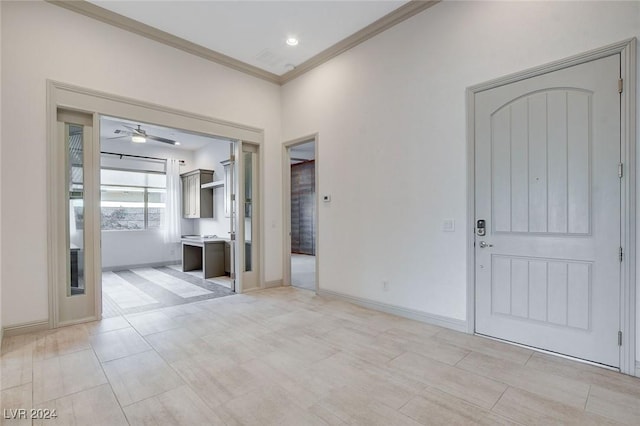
(29,327)
(453,324)
(272,284)
(140,265)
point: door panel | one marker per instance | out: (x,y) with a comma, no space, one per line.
(547,154)
(77,218)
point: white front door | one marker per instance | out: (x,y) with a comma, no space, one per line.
(547,188)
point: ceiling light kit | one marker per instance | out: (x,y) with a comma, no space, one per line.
(138,139)
(292,41)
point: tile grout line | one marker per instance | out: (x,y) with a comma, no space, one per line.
(586,401)
(498,400)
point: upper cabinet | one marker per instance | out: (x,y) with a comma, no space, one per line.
(197,203)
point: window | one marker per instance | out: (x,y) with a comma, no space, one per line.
(132,200)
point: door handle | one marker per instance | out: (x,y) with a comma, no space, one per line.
(484,244)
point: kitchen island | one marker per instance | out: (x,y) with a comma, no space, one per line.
(206,252)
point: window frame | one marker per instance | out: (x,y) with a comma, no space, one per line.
(145,198)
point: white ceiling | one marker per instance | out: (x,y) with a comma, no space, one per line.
(255,32)
(188,141)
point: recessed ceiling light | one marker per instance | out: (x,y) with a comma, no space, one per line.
(177,143)
(292,41)
(138,139)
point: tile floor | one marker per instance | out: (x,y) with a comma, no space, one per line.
(288,357)
(139,290)
(303,271)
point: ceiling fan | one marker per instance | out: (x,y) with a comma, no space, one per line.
(139,135)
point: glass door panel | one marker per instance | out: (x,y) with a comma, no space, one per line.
(75,213)
(250,216)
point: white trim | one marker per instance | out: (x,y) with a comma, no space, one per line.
(441,321)
(273,284)
(627,51)
(25,328)
(286,207)
(67,96)
(394,17)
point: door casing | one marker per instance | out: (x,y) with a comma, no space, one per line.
(627,51)
(286,208)
(95,103)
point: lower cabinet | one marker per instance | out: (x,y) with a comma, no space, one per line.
(227,258)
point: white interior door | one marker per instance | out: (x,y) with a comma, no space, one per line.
(547,187)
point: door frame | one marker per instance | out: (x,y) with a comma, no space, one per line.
(286,208)
(96,103)
(627,51)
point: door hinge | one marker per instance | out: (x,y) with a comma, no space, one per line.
(619,338)
(620,254)
(620,170)
(232,158)
(620,85)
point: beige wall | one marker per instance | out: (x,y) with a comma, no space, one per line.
(391,118)
(1,130)
(48,42)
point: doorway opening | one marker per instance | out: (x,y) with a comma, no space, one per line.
(75,295)
(301,213)
(165,219)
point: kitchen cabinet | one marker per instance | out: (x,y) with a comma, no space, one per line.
(197,203)
(227,257)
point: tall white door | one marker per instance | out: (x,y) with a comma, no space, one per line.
(548,191)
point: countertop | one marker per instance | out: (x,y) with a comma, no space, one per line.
(203,239)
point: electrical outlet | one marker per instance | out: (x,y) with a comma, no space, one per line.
(385,285)
(448,225)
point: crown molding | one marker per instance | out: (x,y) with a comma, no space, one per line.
(96,12)
(90,10)
(400,14)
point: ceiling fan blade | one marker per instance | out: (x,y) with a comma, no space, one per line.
(135,131)
(160,139)
(118,137)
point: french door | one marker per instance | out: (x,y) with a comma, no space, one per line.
(78,251)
